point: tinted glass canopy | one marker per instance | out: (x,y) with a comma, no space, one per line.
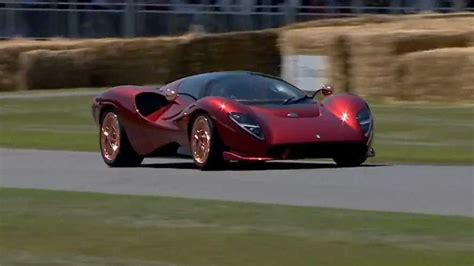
(239,86)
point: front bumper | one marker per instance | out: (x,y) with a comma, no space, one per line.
(231,156)
(302,151)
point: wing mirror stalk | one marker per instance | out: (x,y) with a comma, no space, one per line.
(326,90)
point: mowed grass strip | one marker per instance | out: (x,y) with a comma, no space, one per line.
(57,123)
(75,228)
(407,133)
(424,133)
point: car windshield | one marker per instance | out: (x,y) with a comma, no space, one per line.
(252,87)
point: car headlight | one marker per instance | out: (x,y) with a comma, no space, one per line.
(365,121)
(248,123)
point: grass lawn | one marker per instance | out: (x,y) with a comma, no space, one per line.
(408,133)
(72,228)
(424,133)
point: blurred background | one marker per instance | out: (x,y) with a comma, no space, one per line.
(133,18)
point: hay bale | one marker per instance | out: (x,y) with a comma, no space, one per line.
(462,23)
(116,61)
(343,22)
(420,21)
(143,60)
(373,56)
(252,51)
(369,45)
(434,15)
(323,41)
(444,75)
(136,61)
(46,69)
(10,52)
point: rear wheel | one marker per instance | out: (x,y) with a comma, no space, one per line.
(114,145)
(206,147)
(350,159)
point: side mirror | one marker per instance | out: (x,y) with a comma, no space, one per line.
(171,95)
(326,90)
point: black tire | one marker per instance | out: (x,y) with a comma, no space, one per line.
(126,155)
(350,159)
(214,159)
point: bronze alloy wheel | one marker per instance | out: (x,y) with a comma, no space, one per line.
(201,139)
(110,136)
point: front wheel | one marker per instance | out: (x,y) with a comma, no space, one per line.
(206,147)
(350,159)
(114,145)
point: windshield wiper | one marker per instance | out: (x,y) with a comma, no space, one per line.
(295,99)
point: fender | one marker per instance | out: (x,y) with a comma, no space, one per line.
(219,109)
(347,106)
(345,101)
(122,98)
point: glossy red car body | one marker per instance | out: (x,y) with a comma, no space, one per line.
(157,126)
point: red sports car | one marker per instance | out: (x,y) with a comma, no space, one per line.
(231,116)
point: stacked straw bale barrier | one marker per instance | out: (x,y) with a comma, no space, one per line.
(373,56)
(368,55)
(343,22)
(9,58)
(253,51)
(10,52)
(321,41)
(437,75)
(141,60)
(363,59)
(424,20)
(135,61)
(105,63)
(47,69)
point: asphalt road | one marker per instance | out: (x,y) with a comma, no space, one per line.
(422,189)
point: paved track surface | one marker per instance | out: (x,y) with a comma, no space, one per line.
(422,189)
